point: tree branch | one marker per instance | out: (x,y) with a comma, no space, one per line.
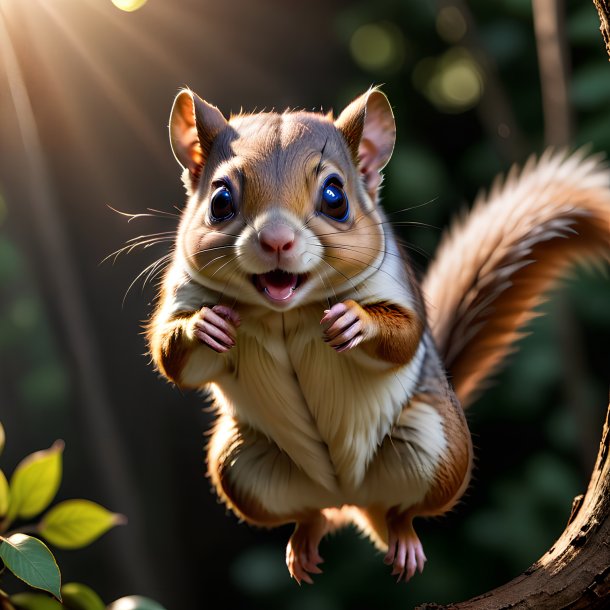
(603,8)
(575,572)
(549,24)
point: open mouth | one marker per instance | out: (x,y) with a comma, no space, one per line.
(278,285)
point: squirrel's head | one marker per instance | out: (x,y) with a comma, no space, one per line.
(282,208)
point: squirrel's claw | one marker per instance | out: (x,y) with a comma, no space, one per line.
(405,551)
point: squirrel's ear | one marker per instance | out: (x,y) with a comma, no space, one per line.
(368,126)
(193,125)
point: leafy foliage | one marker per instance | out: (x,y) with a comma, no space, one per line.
(71,524)
(80,597)
(30,560)
(35,601)
(76,523)
(35,482)
(4,494)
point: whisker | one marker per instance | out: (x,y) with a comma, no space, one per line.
(157,269)
(394,212)
(398,223)
(323,259)
(229,279)
(349,258)
(151,235)
(130,247)
(210,262)
(158,275)
(152,213)
(227,234)
(223,266)
(144,271)
(407,223)
(305,224)
(165,213)
(413,207)
(326,286)
(401,242)
(355,248)
(205,250)
(408,246)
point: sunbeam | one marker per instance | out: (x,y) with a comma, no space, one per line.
(47,230)
(111,88)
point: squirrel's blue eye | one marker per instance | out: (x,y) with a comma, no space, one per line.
(221,204)
(334,202)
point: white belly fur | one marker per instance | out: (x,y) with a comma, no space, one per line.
(328,412)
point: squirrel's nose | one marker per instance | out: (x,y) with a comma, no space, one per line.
(276,238)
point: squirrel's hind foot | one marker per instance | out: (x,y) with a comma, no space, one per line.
(405,551)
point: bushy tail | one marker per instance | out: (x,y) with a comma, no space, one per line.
(494,266)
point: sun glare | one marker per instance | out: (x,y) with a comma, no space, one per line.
(129,5)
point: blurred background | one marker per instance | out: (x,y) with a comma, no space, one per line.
(85,94)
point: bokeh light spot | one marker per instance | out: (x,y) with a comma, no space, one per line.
(453,83)
(129,5)
(378,47)
(450,24)
(460,83)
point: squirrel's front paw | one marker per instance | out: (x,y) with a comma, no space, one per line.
(345,325)
(217,327)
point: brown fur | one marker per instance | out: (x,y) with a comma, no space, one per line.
(352,247)
(226,442)
(398,332)
(493,268)
(169,348)
(452,474)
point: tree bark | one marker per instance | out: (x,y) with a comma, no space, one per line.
(575,572)
(603,8)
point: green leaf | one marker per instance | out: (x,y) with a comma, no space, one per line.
(35,482)
(80,597)
(35,601)
(75,523)
(31,561)
(5,495)
(135,602)
(2,438)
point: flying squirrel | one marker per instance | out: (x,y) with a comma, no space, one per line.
(290,300)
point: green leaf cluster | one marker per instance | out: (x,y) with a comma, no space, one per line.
(71,524)
(76,596)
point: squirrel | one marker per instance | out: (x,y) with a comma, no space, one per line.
(291,301)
